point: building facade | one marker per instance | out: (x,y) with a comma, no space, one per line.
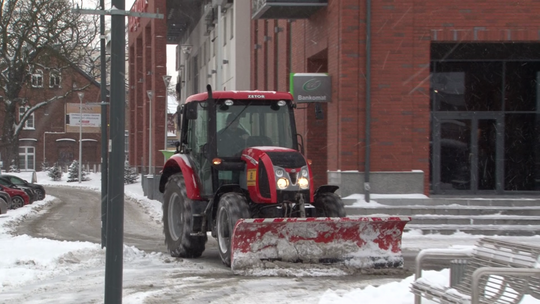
(453,97)
(439,98)
(51,134)
(207,37)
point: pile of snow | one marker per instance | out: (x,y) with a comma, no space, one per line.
(34,270)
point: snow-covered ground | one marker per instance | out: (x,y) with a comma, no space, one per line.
(75,270)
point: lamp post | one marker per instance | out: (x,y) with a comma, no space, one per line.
(150,94)
(81,97)
(167,81)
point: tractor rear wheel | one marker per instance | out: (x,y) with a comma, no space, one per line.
(329,205)
(177,218)
(231,208)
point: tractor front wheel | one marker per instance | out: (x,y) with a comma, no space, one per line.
(329,205)
(177,218)
(231,208)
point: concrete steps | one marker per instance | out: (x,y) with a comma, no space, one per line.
(448,215)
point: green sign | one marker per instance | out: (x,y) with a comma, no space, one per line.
(311,87)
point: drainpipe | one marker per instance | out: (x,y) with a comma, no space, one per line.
(368,101)
(219,51)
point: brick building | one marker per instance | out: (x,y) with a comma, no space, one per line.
(51,134)
(454,91)
(147,66)
(453,104)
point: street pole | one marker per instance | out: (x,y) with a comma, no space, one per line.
(167,81)
(219,51)
(81,97)
(114,262)
(104,135)
(150,94)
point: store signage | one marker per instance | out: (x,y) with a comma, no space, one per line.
(311,87)
(91,118)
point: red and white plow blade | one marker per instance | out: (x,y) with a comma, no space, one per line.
(356,242)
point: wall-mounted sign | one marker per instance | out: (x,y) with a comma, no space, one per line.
(311,87)
(91,118)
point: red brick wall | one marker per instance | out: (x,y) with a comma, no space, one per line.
(147,66)
(402,32)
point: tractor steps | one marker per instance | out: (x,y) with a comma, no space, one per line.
(448,215)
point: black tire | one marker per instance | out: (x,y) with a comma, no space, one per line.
(329,205)
(3,206)
(231,208)
(40,194)
(177,218)
(17,202)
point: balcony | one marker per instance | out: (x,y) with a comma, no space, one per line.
(182,16)
(286,9)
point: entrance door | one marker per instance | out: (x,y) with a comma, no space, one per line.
(466,152)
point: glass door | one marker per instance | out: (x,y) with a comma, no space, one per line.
(465,151)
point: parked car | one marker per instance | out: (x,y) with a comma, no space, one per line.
(29,191)
(38,189)
(19,198)
(6,198)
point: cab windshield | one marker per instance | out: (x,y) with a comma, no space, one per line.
(249,123)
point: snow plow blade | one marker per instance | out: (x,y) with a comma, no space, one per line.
(354,242)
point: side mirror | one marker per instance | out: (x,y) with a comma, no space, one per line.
(191,110)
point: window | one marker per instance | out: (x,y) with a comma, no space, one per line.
(225,30)
(197,140)
(37,79)
(29,123)
(26,158)
(232,24)
(55,79)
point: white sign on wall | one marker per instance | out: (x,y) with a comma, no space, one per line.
(88,120)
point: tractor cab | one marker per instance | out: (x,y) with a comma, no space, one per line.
(240,174)
(217,127)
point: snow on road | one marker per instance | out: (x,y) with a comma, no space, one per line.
(34,270)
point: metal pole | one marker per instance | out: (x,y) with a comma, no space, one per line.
(115,210)
(44,143)
(219,51)
(104,135)
(150,122)
(81,97)
(166,81)
(367,168)
(166,124)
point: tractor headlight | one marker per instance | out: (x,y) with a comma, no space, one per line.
(279,172)
(304,172)
(282,183)
(303,183)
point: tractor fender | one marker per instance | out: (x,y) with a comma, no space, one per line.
(326,189)
(181,163)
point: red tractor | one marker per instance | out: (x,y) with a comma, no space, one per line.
(239,173)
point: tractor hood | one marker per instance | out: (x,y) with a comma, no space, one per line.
(266,165)
(282,157)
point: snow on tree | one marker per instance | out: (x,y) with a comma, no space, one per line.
(55,173)
(13,167)
(73,173)
(130,174)
(26,29)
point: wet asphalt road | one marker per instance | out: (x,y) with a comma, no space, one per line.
(76,216)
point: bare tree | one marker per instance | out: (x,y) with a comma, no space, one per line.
(26,28)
